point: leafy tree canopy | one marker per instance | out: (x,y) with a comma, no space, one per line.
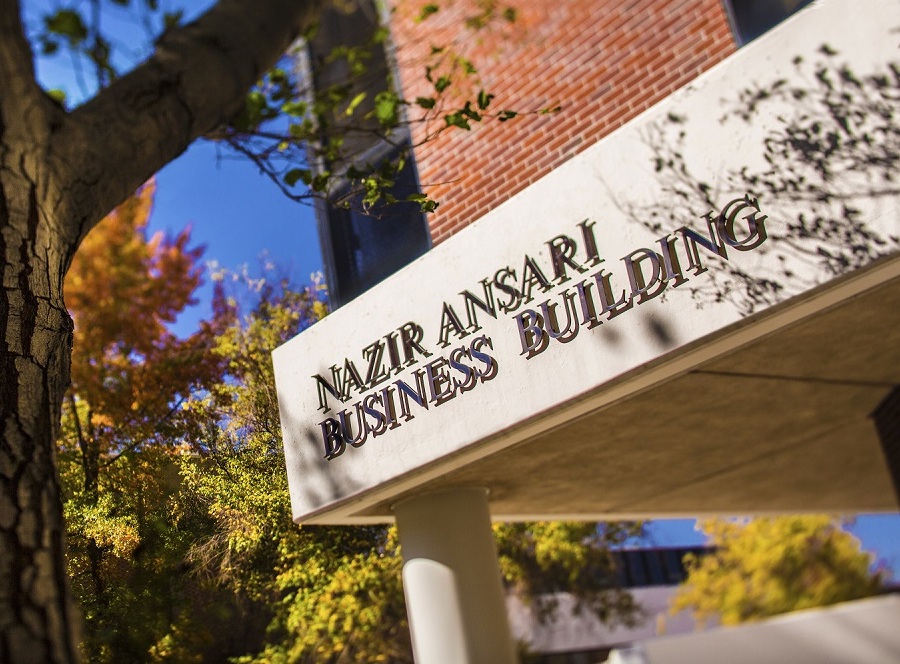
(335,593)
(766,566)
(178,513)
(123,422)
(65,162)
(301,123)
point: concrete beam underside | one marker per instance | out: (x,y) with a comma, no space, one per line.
(780,424)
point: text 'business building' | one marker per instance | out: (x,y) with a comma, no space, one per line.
(679,295)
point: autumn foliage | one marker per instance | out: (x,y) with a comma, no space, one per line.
(181,544)
(124,289)
(770,565)
(180,540)
(123,418)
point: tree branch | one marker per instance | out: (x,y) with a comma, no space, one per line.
(79,433)
(22,102)
(195,81)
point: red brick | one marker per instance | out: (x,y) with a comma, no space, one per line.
(605,60)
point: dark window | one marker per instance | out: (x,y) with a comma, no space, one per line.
(887,422)
(636,570)
(362,247)
(639,568)
(657,577)
(751,18)
(675,572)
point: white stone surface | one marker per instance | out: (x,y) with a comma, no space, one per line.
(571,630)
(861,632)
(451,579)
(612,184)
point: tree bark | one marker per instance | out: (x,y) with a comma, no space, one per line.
(60,173)
(36,618)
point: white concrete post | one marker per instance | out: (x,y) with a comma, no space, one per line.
(451,579)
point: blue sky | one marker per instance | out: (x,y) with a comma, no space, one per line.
(233,210)
(237,213)
(242,219)
(878,533)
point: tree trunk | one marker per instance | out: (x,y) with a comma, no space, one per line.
(60,173)
(36,622)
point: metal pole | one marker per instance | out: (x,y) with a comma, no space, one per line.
(451,579)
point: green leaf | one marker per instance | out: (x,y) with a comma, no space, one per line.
(256,102)
(48,46)
(67,23)
(356,101)
(427,11)
(484,99)
(425,102)
(294,108)
(503,116)
(256,109)
(428,205)
(173,19)
(373,191)
(320,181)
(457,119)
(295,174)
(510,14)
(302,130)
(57,95)
(549,110)
(387,108)
(470,113)
(442,83)
(381,34)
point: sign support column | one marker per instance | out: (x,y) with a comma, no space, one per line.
(451,579)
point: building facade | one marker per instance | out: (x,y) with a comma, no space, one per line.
(572,635)
(601,63)
(676,296)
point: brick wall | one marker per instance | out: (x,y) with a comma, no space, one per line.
(603,61)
